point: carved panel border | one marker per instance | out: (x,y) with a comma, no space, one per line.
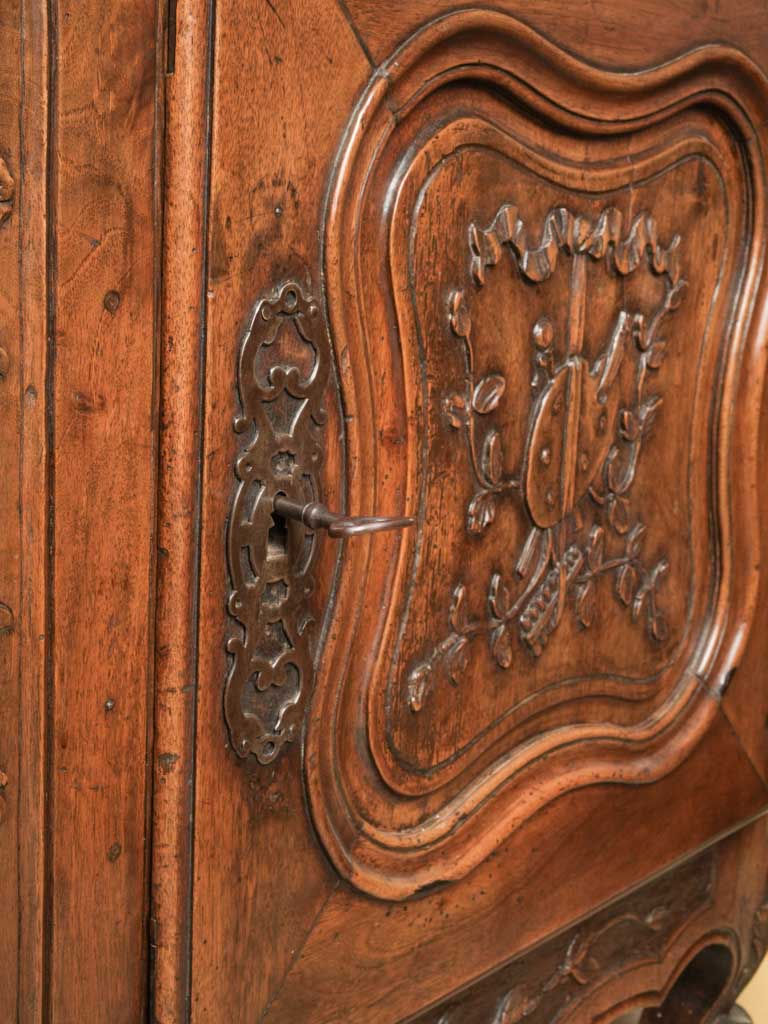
(376,825)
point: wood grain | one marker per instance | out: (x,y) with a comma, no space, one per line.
(270,163)
(607,33)
(466,739)
(316,949)
(409,853)
(181,328)
(687,940)
(34,403)
(568,860)
(10,535)
(103,437)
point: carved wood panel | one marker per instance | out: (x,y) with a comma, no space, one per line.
(550,983)
(542,282)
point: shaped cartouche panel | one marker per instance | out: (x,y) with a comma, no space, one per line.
(543,283)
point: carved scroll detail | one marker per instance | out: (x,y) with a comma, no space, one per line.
(550,983)
(7,192)
(581,966)
(269,561)
(583,442)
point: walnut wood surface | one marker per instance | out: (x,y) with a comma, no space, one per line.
(102,488)
(350,957)
(526,767)
(78,327)
(11,715)
(184,210)
(681,948)
(453,714)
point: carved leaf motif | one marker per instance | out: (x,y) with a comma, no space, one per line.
(458,659)
(626,581)
(456,410)
(659,627)
(418,684)
(676,295)
(498,597)
(458,613)
(660,569)
(635,540)
(618,513)
(585,603)
(578,963)
(648,410)
(493,457)
(596,548)
(501,646)
(628,425)
(640,598)
(488,393)
(656,918)
(648,586)
(458,315)
(639,332)
(656,355)
(515,1007)
(481,511)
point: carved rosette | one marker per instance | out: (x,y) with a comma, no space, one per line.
(281,374)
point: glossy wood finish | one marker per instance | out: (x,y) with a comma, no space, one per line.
(462,699)
(10,457)
(102,485)
(181,329)
(263,228)
(674,950)
(525,769)
(320,950)
(78,573)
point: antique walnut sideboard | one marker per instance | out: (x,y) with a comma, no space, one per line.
(383,602)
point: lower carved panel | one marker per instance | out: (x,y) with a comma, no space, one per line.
(548,985)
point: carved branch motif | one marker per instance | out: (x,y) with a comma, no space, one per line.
(582,449)
(580,966)
(7,192)
(551,983)
(269,561)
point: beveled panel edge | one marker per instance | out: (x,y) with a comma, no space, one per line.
(393,865)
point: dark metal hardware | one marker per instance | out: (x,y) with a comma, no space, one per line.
(318,517)
(283,365)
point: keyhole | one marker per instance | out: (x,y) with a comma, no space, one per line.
(277,538)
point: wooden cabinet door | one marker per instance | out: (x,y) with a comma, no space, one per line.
(501,271)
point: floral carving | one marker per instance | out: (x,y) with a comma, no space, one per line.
(584,442)
(580,965)
(485,447)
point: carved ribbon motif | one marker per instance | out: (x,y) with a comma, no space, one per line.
(269,560)
(582,448)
